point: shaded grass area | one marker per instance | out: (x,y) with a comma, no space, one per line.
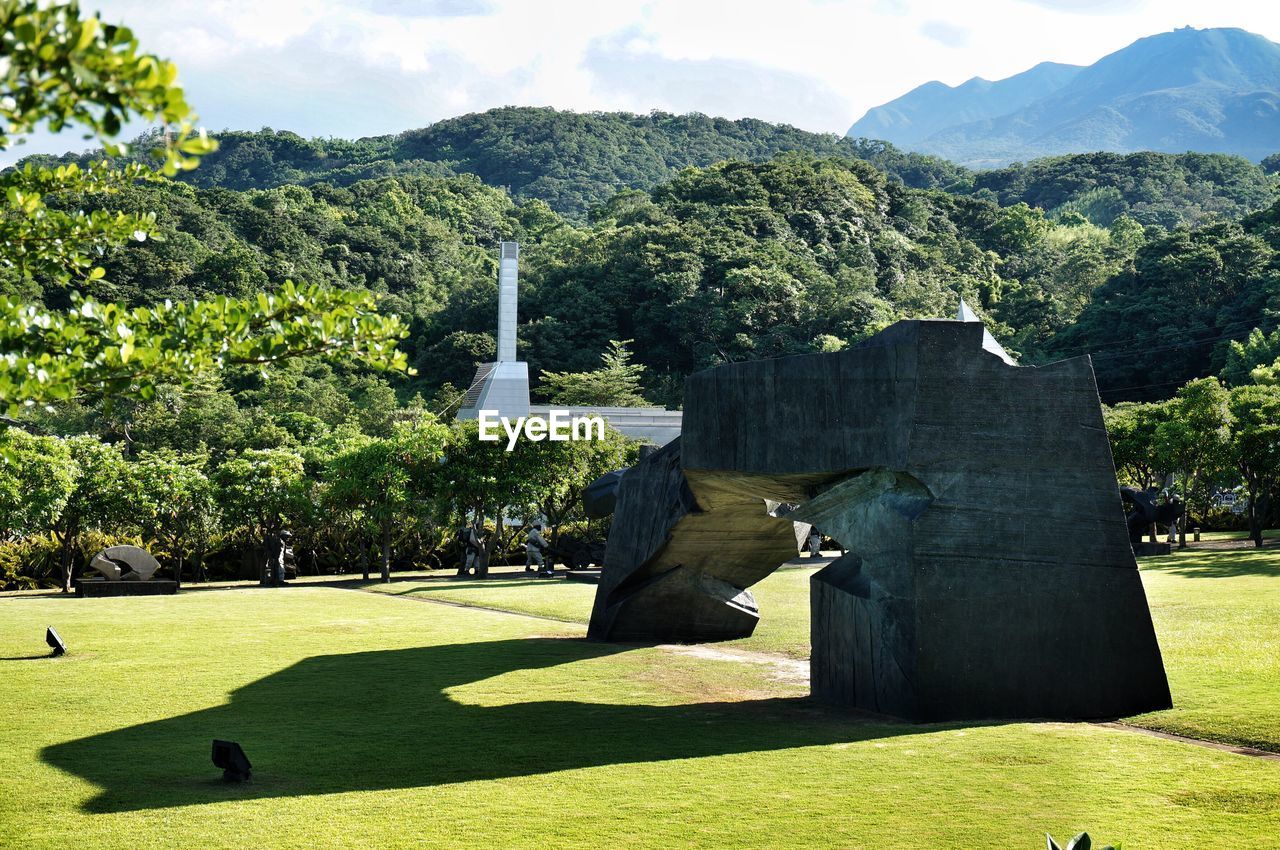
(1217,616)
(373,722)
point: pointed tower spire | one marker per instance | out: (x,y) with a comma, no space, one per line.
(966,314)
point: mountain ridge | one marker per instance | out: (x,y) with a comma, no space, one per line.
(1208,90)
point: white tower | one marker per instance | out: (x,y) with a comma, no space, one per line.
(502,386)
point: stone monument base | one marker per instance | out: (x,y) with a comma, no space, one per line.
(95,587)
(1146,550)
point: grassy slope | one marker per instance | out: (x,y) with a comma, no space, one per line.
(1217,615)
(374,722)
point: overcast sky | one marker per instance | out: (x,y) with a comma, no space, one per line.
(355,68)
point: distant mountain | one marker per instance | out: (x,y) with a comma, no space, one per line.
(1210,90)
(936,106)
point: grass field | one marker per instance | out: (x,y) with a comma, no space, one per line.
(1217,615)
(377,721)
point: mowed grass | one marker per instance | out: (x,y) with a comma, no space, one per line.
(783,598)
(1217,617)
(374,721)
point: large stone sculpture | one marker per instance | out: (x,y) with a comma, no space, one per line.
(920,450)
(125,571)
(125,563)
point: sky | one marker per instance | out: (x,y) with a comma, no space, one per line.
(352,68)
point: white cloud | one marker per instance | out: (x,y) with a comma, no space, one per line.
(948,35)
(364,67)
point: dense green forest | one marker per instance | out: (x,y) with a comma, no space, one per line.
(1152,188)
(736,259)
(575,162)
(572,161)
(698,241)
(705,240)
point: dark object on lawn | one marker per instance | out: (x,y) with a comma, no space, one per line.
(577,554)
(1146,511)
(920,450)
(231,758)
(601,496)
(279,553)
(54,640)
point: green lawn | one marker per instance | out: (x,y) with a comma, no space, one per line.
(376,721)
(783,599)
(1217,616)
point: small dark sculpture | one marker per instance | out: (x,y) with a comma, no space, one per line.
(1146,512)
(279,554)
(473,560)
(577,553)
(601,496)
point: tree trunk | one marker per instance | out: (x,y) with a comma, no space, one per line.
(1186,513)
(364,556)
(386,550)
(65,560)
(1251,511)
(177,572)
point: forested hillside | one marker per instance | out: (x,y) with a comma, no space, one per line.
(572,161)
(1172,315)
(1152,188)
(736,259)
(575,162)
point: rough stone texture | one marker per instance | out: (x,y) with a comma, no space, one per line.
(125,563)
(921,453)
(677,567)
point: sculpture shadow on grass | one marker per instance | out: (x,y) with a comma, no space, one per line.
(385,720)
(1221,564)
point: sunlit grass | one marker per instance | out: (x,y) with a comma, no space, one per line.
(1217,616)
(374,721)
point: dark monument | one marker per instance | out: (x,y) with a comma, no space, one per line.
(278,555)
(920,451)
(1145,513)
(125,571)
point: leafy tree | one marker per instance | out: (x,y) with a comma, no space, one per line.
(1254,432)
(564,469)
(388,480)
(615,384)
(62,70)
(1195,441)
(1252,360)
(175,506)
(260,490)
(1132,429)
(479,479)
(101,499)
(109,350)
(36,481)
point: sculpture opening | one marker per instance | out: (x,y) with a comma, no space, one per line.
(925,450)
